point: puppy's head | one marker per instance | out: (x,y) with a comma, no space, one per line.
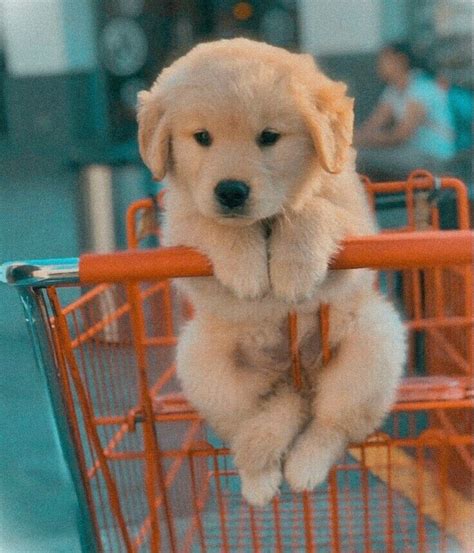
(244,127)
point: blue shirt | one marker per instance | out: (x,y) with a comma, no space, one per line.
(435,136)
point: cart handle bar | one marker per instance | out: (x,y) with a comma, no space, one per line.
(402,250)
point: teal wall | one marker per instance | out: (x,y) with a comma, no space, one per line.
(80,34)
(394,20)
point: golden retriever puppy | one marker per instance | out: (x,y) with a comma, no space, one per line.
(255,143)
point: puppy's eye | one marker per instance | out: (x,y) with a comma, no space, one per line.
(203,138)
(268,138)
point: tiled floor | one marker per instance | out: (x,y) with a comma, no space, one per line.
(37,502)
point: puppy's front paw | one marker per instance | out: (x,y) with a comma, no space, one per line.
(308,463)
(248,279)
(260,488)
(295,282)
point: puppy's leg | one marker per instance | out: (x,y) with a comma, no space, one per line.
(261,441)
(354,393)
(259,488)
(230,399)
(301,246)
(238,254)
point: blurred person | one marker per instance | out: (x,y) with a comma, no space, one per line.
(411,127)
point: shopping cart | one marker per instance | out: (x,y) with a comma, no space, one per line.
(150,476)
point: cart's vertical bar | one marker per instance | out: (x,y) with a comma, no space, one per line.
(463,223)
(38,325)
(469,312)
(277,519)
(309,523)
(366,500)
(333,495)
(444,487)
(298,384)
(198,507)
(153,458)
(462,201)
(220,504)
(390,503)
(324,331)
(254,530)
(420,498)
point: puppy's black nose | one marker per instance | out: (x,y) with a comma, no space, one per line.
(231,193)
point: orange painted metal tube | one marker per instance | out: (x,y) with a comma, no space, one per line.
(387,251)
(142,265)
(407,250)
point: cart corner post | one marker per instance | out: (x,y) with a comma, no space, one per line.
(40,331)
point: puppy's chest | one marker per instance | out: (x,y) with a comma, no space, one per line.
(267,348)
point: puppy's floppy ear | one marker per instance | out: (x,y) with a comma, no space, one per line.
(329,115)
(153,133)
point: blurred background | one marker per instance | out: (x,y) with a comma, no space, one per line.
(69,166)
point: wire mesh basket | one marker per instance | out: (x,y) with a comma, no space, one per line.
(151,476)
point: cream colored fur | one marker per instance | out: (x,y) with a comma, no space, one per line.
(233,358)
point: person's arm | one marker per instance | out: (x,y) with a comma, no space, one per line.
(380,118)
(403,130)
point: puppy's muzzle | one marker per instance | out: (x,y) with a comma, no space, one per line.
(231,195)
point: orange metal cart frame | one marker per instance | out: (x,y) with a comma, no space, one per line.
(149,477)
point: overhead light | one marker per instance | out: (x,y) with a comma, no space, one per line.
(242,11)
